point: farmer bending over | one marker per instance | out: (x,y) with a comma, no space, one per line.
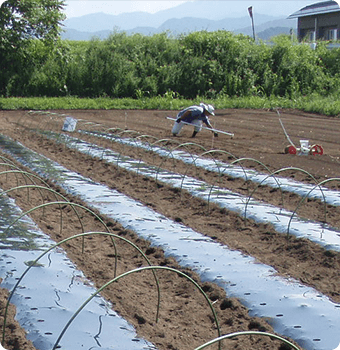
(195,115)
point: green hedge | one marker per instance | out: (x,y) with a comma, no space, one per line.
(207,64)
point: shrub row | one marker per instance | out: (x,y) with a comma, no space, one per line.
(209,64)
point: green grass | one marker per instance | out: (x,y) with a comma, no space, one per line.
(329,105)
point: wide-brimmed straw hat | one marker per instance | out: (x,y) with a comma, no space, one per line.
(209,108)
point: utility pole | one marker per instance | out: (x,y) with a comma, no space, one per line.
(250,10)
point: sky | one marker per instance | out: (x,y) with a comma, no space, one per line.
(77,8)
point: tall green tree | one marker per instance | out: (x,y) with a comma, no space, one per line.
(20,22)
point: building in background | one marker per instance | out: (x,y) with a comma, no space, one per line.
(319,21)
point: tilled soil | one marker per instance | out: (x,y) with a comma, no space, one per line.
(185,322)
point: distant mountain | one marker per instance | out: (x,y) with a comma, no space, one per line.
(101,21)
(185,18)
(273,31)
(283,25)
(73,34)
(84,30)
(214,10)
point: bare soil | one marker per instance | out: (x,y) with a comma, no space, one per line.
(185,320)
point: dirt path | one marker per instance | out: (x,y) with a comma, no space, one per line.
(185,321)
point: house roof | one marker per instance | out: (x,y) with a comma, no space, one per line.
(316,9)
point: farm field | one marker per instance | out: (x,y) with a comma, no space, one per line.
(185,322)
